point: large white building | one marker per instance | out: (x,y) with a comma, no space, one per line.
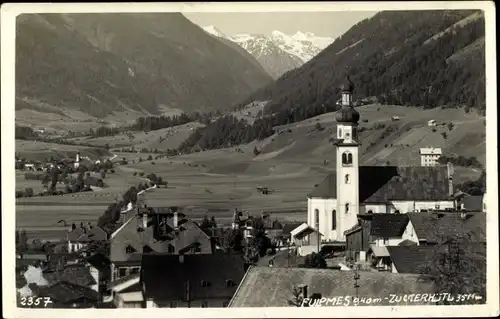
(333,206)
(429,156)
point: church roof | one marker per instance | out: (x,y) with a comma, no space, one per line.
(379,184)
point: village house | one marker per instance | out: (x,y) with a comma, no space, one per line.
(125,292)
(273,286)
(155,230)
(190,281)
(334,205)
(80,237)
(371,243)
(429,156)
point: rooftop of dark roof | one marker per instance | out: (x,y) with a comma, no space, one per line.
(388,225)
(273,286)
(411,259)
(473,203)
(99,261)
(379,184)
(432,227)
(65,292)
(76,274)
(165,277)
(94,233)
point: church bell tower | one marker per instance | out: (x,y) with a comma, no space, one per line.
(347,162)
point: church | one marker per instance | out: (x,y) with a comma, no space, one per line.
(333,205)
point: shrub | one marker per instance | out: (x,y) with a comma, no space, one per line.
(444,135)
(28,192)
(434,130)
(153,163)
(150,158)
(135,174)
(450,126)
(141,174)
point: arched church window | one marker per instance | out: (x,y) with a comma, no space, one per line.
(370,211)
(344,158)
(346,208)
(397,211)
(347,179)
(334,219)
(316,216)
(349,158)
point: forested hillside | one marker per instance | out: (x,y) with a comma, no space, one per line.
(423,58)
(103,63)
(415,58)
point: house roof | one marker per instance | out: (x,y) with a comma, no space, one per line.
(411,259)
(388,225)
(165,277)
(187,234)
(379,251)
(94,233)
(431,227)
(273,286)
(303,230)
(379,184)
(473,203)
(75,274)
(65,292)
(130,279)
(99,261)
(288,227)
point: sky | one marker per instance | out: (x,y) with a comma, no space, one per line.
(328,24)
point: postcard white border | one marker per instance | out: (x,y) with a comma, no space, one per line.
(8,15)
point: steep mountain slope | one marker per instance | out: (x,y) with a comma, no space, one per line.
(148,62)
(426,58)
(279,52)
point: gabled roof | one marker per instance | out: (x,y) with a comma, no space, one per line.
(288,227)
(411,259)
(303,230)
(388,225)
(125,282)
(431,227)
(379,184)
(165,277)
(273,286)
(135,235)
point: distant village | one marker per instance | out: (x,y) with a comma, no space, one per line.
(370,232)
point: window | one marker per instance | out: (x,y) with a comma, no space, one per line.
(386,241)
(334,219)
(370,211)
(346,208)
(437,206)
(204,283)
(204,304)
(316,216)
(230,283)
(344,158)
(173,304)
(146,249)
(397,211)
(346,178)
(349,158)
(122,272)
(171,249)
(225,304)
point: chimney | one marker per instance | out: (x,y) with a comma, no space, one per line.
(181,259)
(449,165)
(176,220)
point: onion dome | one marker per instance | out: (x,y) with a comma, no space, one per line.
(347,85)
(347,114)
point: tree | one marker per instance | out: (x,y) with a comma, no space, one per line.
(444,135)
(232,240)
(314,260)
(213,223)
(205,223)
(450,126)
(150,158)
(21,241)
(28,192)
(458,266)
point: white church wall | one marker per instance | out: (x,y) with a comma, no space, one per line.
(325,206)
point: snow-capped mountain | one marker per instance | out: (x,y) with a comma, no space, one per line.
(279,52)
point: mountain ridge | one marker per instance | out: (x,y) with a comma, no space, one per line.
(108,63)
(278,53)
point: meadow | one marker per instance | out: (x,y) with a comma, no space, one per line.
(290,163)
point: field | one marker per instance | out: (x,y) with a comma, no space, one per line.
(290,163)
(40,151)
